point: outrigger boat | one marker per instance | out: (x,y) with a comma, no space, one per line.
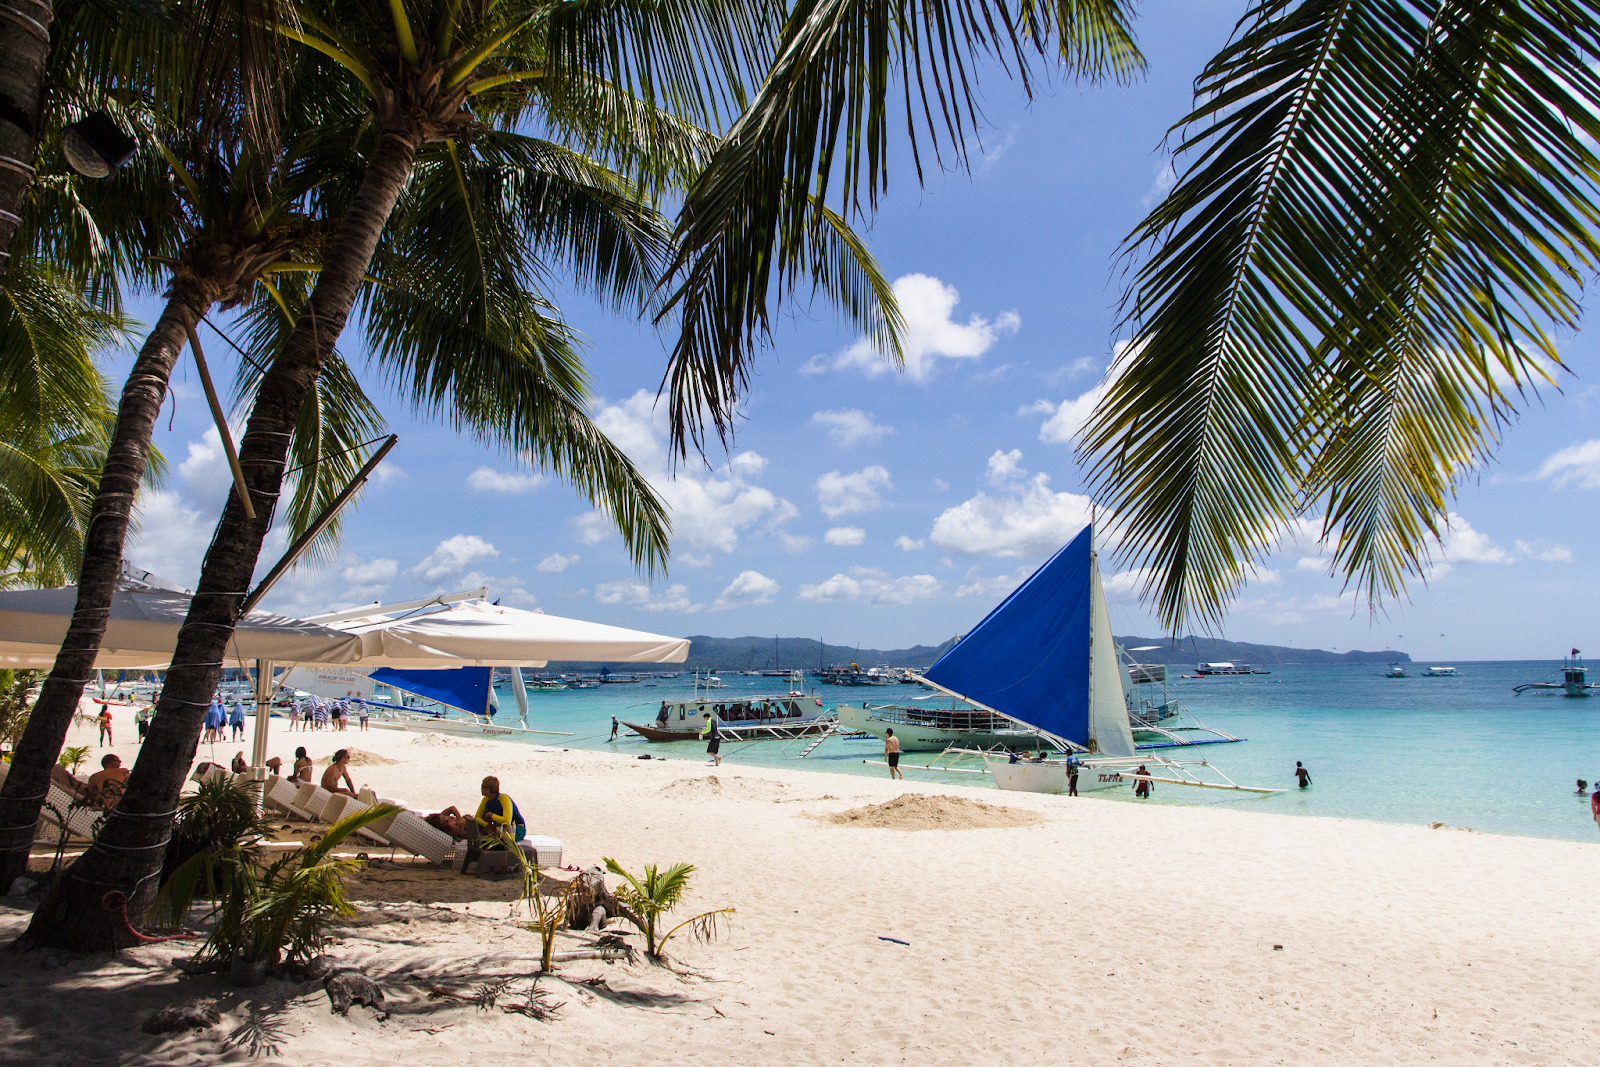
(1574,678)
(1045,659)
(778,718)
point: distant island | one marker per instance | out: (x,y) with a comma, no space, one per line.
(807,654)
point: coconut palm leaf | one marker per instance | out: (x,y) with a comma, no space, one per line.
(821,120)
(1386,207)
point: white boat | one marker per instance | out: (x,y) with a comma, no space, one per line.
(1045,659)
(1396,670)
(1439,672)
(1574,678)
(934,729)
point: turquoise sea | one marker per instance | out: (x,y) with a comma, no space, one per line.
(1465,751)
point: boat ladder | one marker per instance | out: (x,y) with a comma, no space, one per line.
(832,729)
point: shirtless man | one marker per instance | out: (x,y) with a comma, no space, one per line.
(106,785)
(338,769)
(891,754)
(450,820)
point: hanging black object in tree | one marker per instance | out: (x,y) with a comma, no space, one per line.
(95,146)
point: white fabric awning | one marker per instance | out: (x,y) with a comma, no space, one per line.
(478,634)
(143,630)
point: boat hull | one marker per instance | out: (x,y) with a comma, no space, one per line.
(461,727)
(1051,777)
(918,738)
(774,730)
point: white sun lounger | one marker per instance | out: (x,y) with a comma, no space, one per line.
(312,798)
(408,831)
(280,794)
(81,822)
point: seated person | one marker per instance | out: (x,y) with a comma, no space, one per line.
(275,765)
(450,820)
(338,769)
(497,813)
(240,764)
(302,767)
(60,776)
(106,785)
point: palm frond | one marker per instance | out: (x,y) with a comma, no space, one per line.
(1381,202)
(821,120)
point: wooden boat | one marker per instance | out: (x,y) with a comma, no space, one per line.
(757,719)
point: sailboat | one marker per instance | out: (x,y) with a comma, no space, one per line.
(1045,658)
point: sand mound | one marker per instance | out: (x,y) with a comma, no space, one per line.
(358,758)
(712,786)
(441,741)
(913,811)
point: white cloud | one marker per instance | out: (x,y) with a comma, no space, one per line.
(689,559)
(1576,464)
(940,485)
(1462,544)
(906,544)
(555,563)
(749,588)
(845,536)
(976,584)
(930,334)
(172,537)
(506,483)
(387,472)
(1025,520)
(710,509)
(453,556)
(842,494)
(851,427)
(371,572)
(795,542)
(1544,551)
(1165,178)
(1126,585)
(591,527)
(1319,564)
(873,587)
(672,600)
(1066,418)
(1005,467)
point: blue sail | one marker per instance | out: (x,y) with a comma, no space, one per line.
(466,688)
(1029,657)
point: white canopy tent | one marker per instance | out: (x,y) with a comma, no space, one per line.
(479,634)
(143,630)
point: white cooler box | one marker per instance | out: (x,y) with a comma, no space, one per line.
(542,851)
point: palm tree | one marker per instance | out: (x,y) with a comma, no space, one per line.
(1387,212)
(490,352)
(234,220)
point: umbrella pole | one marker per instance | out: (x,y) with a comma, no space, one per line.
(264,689)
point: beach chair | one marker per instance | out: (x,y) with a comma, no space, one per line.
(80,821)
(312,798)
(408,831)
(202,771)
(280,795)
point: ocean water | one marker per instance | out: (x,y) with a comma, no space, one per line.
(1465,751)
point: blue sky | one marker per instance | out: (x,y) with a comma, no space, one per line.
(886,509)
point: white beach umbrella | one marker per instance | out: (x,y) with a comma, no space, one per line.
(479,634)
(143,630)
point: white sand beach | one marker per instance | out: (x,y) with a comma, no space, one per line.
(1100,933)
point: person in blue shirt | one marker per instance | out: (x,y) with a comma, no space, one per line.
(214,719)
(498,814)
(236,720)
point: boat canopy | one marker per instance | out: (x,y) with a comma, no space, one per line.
(1044,657)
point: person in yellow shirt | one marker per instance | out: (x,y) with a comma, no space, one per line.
(498,814)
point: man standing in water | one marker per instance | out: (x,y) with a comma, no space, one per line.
(891,754)
(1301,773)
(613,728)
(713,739)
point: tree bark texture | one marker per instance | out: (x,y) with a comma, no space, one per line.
(126,857)
(23,793)
(24,47)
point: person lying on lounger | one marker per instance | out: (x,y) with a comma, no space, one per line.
(339,768)
(450,820)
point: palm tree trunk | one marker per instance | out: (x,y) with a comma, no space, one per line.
(126,857)
(23,792)
(24,46)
